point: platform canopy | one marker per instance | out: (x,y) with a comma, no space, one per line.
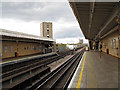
(96,18)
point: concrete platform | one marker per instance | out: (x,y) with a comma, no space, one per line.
(96,72)
(22,59)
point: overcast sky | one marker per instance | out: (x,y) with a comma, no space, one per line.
(27,16)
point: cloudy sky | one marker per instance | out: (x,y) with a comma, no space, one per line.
(27,16)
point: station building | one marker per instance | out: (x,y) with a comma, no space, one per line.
(16,44)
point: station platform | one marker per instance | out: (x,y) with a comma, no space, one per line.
(25,58)
(96,72)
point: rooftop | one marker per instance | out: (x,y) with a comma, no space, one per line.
(9,33)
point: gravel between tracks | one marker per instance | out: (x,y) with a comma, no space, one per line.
(58,63)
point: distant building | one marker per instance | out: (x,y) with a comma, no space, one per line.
(46,29)
(72,46)
(62,47)
(81,41)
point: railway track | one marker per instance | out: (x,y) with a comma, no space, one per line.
(13,66)
(59,78)
(32,66)
(10,67)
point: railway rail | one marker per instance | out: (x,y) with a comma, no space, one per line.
(59,78)
(35,66)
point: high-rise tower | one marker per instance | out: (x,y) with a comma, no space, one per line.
(46,29)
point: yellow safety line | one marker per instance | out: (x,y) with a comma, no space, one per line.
(80,77)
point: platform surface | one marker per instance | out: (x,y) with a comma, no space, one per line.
(22,59)
(96,72)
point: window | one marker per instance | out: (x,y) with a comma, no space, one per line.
(47,25)
(38,48)
(111,44)
(47,32)
(114,43)
(31,48)
(5,48)
(34,48)
(25,48)
(11,49)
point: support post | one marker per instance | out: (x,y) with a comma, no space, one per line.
(95,46)
(118,21)
(100,45)
(119,27)
(11,81)
(119,36)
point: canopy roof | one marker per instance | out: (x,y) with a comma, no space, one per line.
(96,18)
